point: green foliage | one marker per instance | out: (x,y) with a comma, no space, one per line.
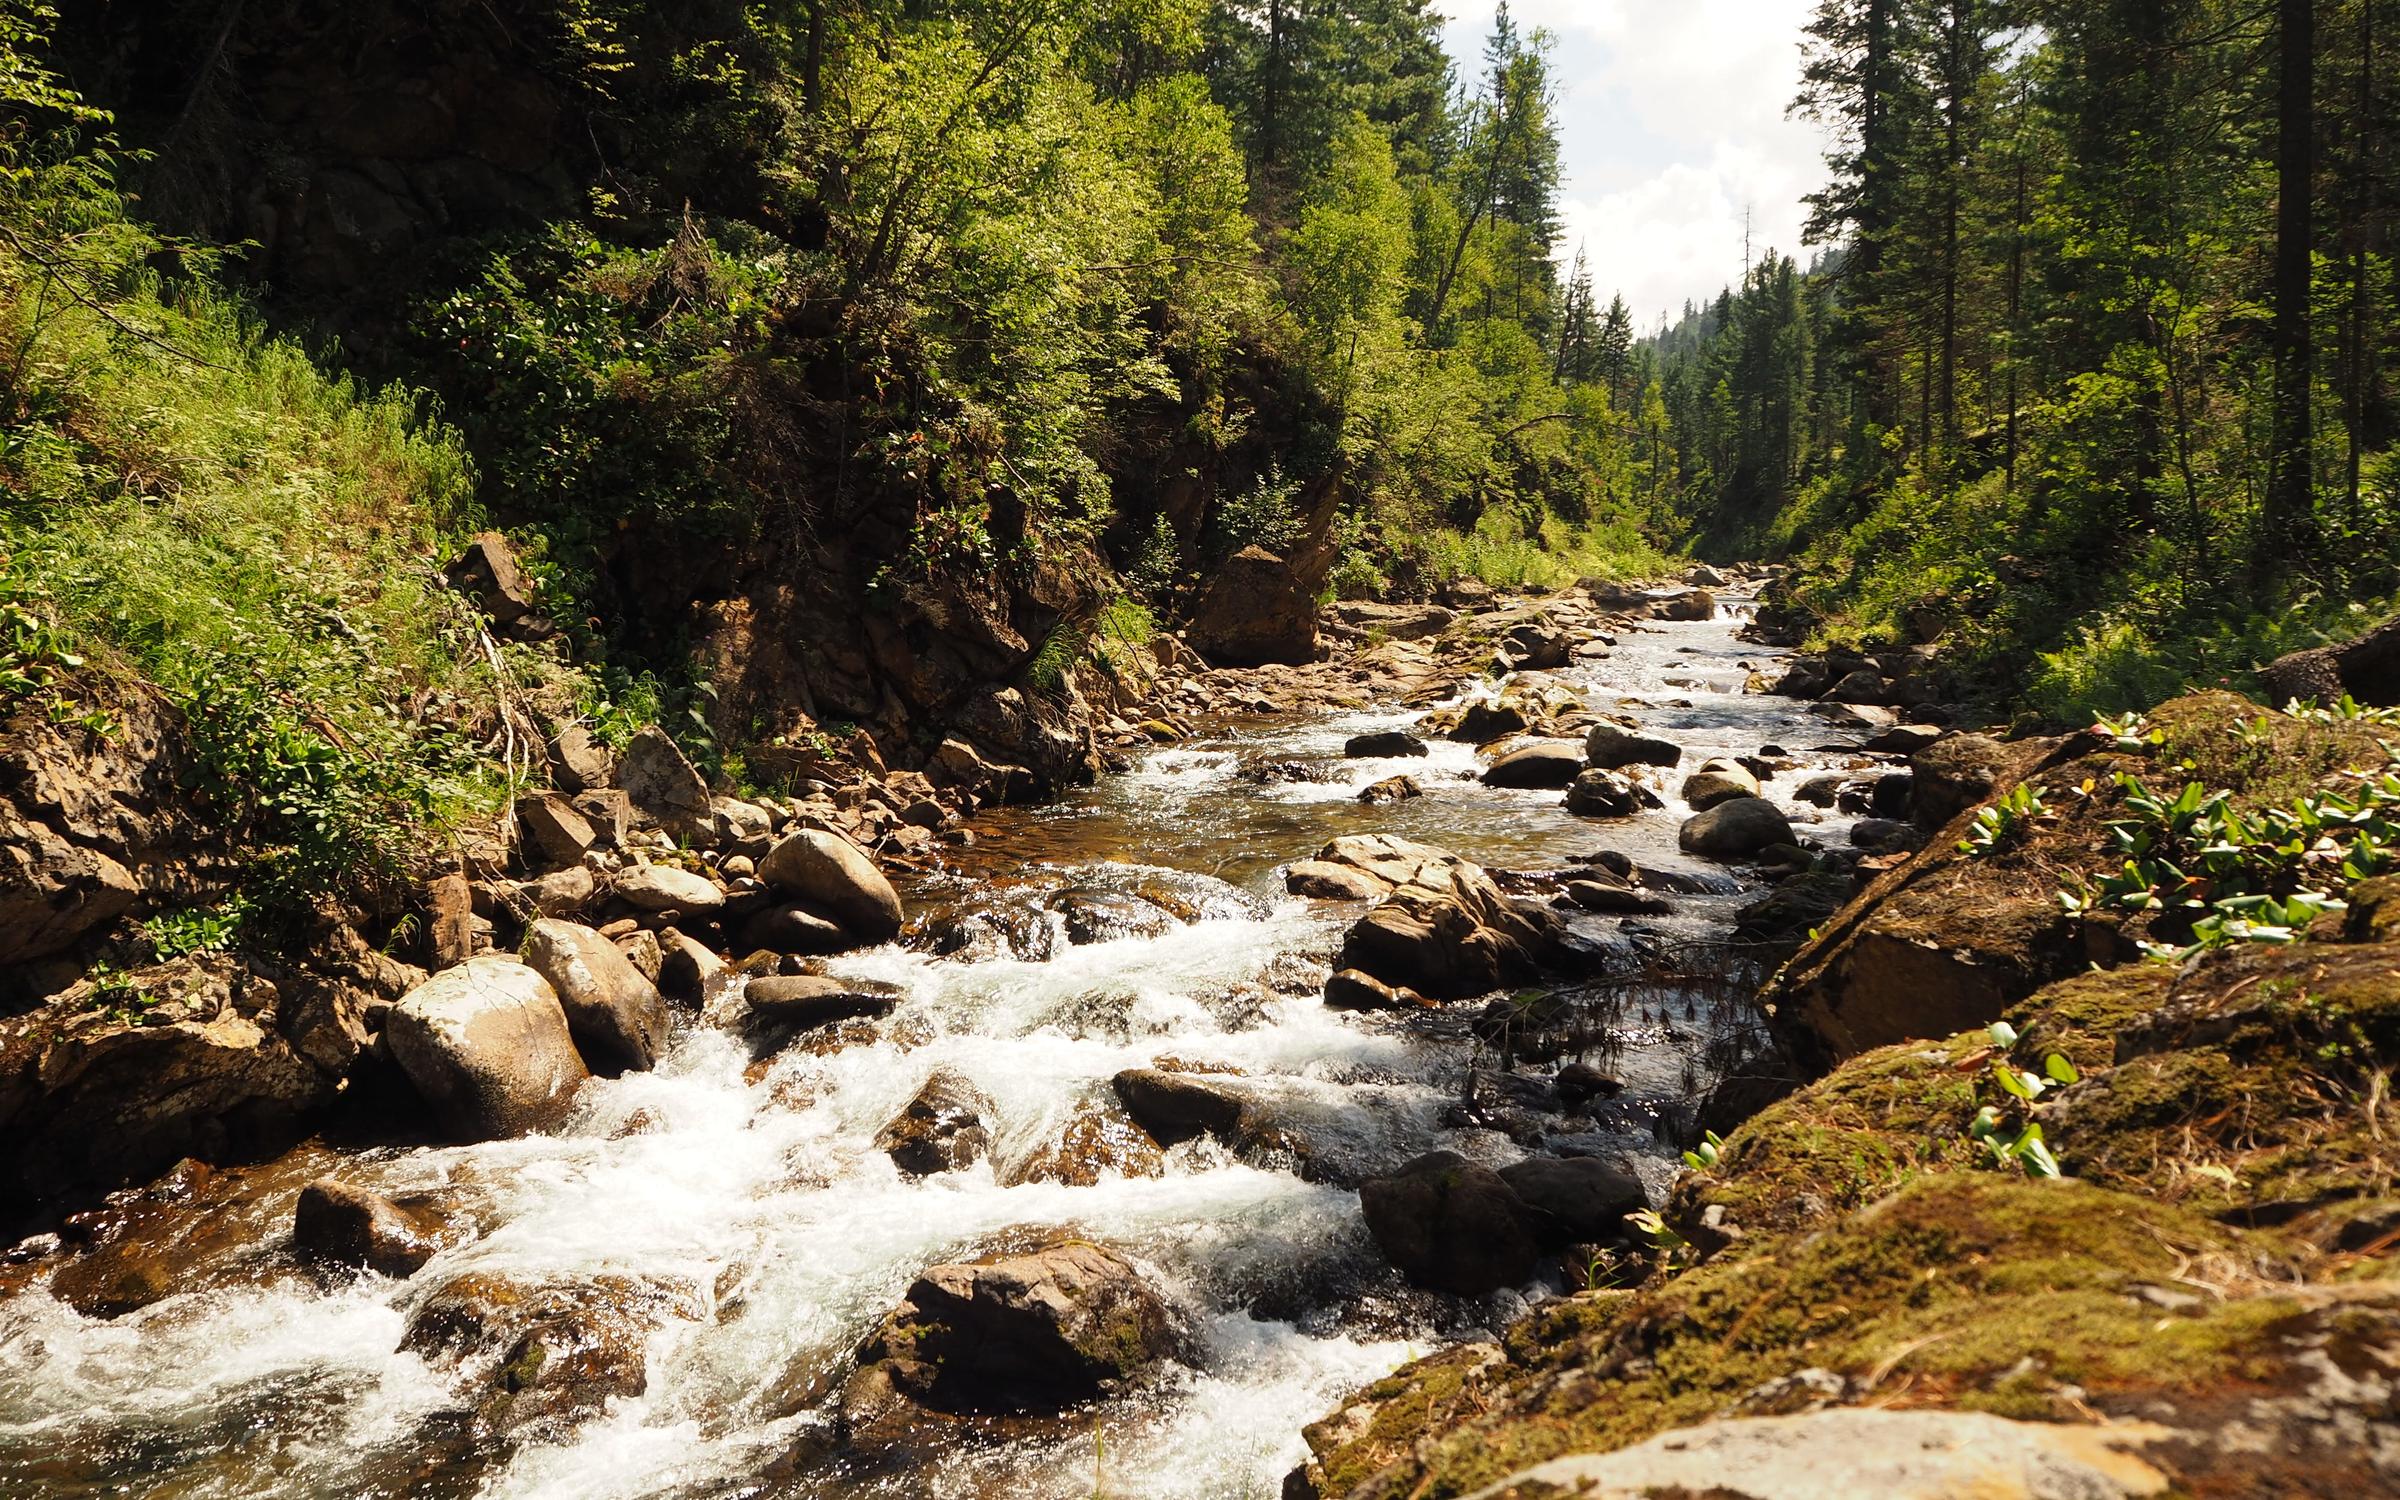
(176,934)
(2006,821)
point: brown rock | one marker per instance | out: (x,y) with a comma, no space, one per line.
(617,1016)
(942,1129)
(835,877)
(487,1044)
(450,920)
(341,1224)
(1254,610)
(554,833)
(660,784)
(487,572)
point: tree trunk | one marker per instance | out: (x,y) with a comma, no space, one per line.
(2286,521)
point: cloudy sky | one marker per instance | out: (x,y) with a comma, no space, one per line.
(1671,116)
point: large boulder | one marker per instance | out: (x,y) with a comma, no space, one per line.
(1254,610)
(806,1001)
(340,1224)
(1612,747)
(1692,604)
(1175,1107)
(661,784)
(1449,931)
(1717,781)
(1550,764)
(827,871)
(617,1016)
(665,888)
(2367,669)
(1032,1332)
(1606,794)
(1735,829)
(1451,1225)
(1575,1200)
(943,1127)
(488,1046)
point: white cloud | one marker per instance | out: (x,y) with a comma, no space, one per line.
(1672,121)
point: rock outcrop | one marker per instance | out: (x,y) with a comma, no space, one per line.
(1254,610)
(1443,926)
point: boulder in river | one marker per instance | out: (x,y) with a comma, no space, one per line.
(487,1045)
(794,927)
(1451,1225)
(943,1128)
(1449,932)
(1390,790)
(804,1001)
(1092,915)
(550,1354)
(1348,989)
(618,1017)
(1552,764)
(1575,1200)
(1175,1107)
(1323,880)
(1033,1332)
(1692,604)
(341,1224)
(1717,781)
(1607,794)
(1736,829)
(1612,747)
(1384,745)
(828,872)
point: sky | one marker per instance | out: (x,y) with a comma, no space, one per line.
(1671,124)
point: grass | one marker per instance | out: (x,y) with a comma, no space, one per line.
(1502,552)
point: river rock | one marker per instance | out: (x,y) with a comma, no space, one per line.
(804,1001)
(1102,916)
(658,888)
(578,762)
(1254,610)
(1450,932)
(660,784)
(1903,739)
(1717,781)
(1097,1139)
(1694,604)
(1348,989)
(685,966)
(545,1355)
(1322,880)
(1614,898)
(487,1045)
(338,1223)
(1606,794)
(793,927)
(1481,723)
(1384,745)
(1175,1107)
(617,1016)
(1824,790)
(1736,829)
(1575,1200)
(1960,772)
(1033,1332)
(1450,1225)
(1793,909)
(1390,790)
(834,875)
(942,1129)
(1550,764)
(1612,747)
(1863,686)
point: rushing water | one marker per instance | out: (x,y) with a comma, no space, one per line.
(762,1188)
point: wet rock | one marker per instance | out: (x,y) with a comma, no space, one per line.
(685,967)
(1450,1225)
(1863,686)
(661,888)
(1575,1200)
(1737,829)
(1254,610)
(1384,745)
(1277,771)
(1606,794)
(340,1224)
(1614,898)
(1481,723)
(547,1355)
(1035,1332)
(1390,790)
(1176,1107)
(1903,739)
(1097,1140)
(1612,747)
(1450,932)
(1793,909)
(1579,1083)
(941,1129)
(578,762)
(804,1001)
(791,927)
(836,877)
(617,1016)
(1322,880)
(1822,791)
(1349,989)
(487,1045)
(1884,836)
(554,833)
(1696,604)
(1717,781)
(1101,916)
(660,784)
(1552,764)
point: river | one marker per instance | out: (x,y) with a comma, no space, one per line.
(760,1184)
